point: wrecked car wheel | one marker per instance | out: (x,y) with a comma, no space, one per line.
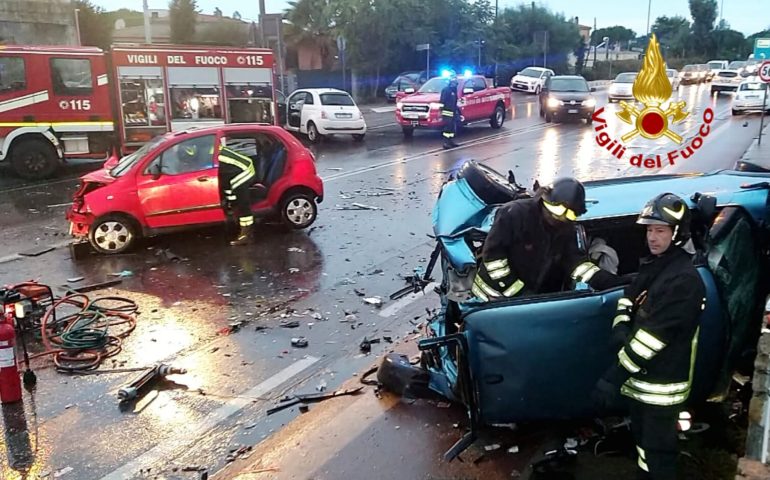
(490,186)
(298,210)
(113,234)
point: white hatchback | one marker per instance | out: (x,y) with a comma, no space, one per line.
(317,112)
(531,79)
(749,97)
(622,88)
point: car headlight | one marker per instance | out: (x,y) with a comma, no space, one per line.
(399,105)
(553,103)
(434,105)
(591,102)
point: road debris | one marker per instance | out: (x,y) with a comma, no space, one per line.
(289,323)
(366,345)
(236,453)
(357,206)
(75,279)
(299,342)
(374,301)
(295,250)
(359,292)
(131,390)
(291,400)
(492,447)
(294,270)
(514,449)
(62,472)
(36,252)
(123,274)
(321,386)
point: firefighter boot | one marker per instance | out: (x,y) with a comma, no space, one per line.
(245,236)
(449,143)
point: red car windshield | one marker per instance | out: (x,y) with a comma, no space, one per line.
(126,163)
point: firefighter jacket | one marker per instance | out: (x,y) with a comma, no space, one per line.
(235,170)
(523,253)
(657,322)
(448,101)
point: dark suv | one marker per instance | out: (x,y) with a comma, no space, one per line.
(567,96)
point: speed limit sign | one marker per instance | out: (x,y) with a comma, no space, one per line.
(764,71)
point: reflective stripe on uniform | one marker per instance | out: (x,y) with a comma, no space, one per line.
(627,363)
(624,303)
(489,291)
(449,135)
(447,113)
(499,273)
(649,339)
(246,221)
(641,452)
(478,293)
(514,289)
(585,271)
(658,388)
(620,319)
(663,400)
(496,264)
(643,464)
(243,177)
(641,349)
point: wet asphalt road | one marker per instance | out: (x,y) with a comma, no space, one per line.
(75,426)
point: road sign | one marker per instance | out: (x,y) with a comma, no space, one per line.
(423,46)
(342,44)
(764,71)
(762,49)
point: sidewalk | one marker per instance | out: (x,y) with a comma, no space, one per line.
(760,154)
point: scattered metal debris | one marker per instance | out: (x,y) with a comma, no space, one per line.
(374,301)
(321,386)
(366,345)
(514,449)
(492,447)
(36,252)
(357,206)
(289,323)
(299,342)
(292,400)
(295,250)
(75,279)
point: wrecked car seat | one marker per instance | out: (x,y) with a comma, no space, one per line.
(397,375)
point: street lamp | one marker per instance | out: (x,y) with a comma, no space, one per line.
(649,7)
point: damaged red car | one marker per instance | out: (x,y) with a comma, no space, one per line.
(158,189)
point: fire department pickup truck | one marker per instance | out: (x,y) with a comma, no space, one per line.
(476,101)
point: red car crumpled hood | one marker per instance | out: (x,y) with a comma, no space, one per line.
(99,176)
(422,98)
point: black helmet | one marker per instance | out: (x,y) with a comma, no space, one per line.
(668,209)
(565,198)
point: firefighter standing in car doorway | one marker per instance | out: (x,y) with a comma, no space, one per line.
(532,246)
(449,111)
(657,325)
(236,175)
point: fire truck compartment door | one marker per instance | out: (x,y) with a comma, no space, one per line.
(247,76)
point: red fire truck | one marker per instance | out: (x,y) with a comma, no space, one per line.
(59,103)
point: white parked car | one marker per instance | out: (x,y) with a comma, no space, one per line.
(317,112)
(531,79)
(673,77)
(749,97)
(726,81)
(622,87)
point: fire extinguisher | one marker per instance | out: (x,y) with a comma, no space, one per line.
(10,383)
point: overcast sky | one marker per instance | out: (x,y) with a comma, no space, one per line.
(747,16)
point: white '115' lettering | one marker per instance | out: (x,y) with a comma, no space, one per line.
(254,60)
(79,104)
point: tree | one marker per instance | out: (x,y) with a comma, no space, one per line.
(217,12)
(704,14)
(313,21)
(730,44)
(184,15)
(95,25)
(673,34)
(616,34)
(237,15)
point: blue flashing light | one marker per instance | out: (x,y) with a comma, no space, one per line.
(468,72)
(446,73)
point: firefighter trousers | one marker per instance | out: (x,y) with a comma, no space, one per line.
(655,434)
(239,203)
(450,126)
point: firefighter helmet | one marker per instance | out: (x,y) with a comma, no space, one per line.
(668,209)
(565,199)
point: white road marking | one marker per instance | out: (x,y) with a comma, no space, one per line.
(167,450)
(393,308)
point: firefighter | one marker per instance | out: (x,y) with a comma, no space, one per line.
(449,111)
(532,246)
(657,325)
(236,175)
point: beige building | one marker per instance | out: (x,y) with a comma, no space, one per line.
(38,22)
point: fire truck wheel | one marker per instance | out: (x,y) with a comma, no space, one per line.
(298,210)
(34,159)
(498,118)
(113,234)
(312,133)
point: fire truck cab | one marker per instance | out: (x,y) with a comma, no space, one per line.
(54,103)
(59,103)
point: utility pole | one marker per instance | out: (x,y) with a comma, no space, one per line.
(649,8)
(77,25)
(147,27)
(592,34)
(721,9)
(261,23)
